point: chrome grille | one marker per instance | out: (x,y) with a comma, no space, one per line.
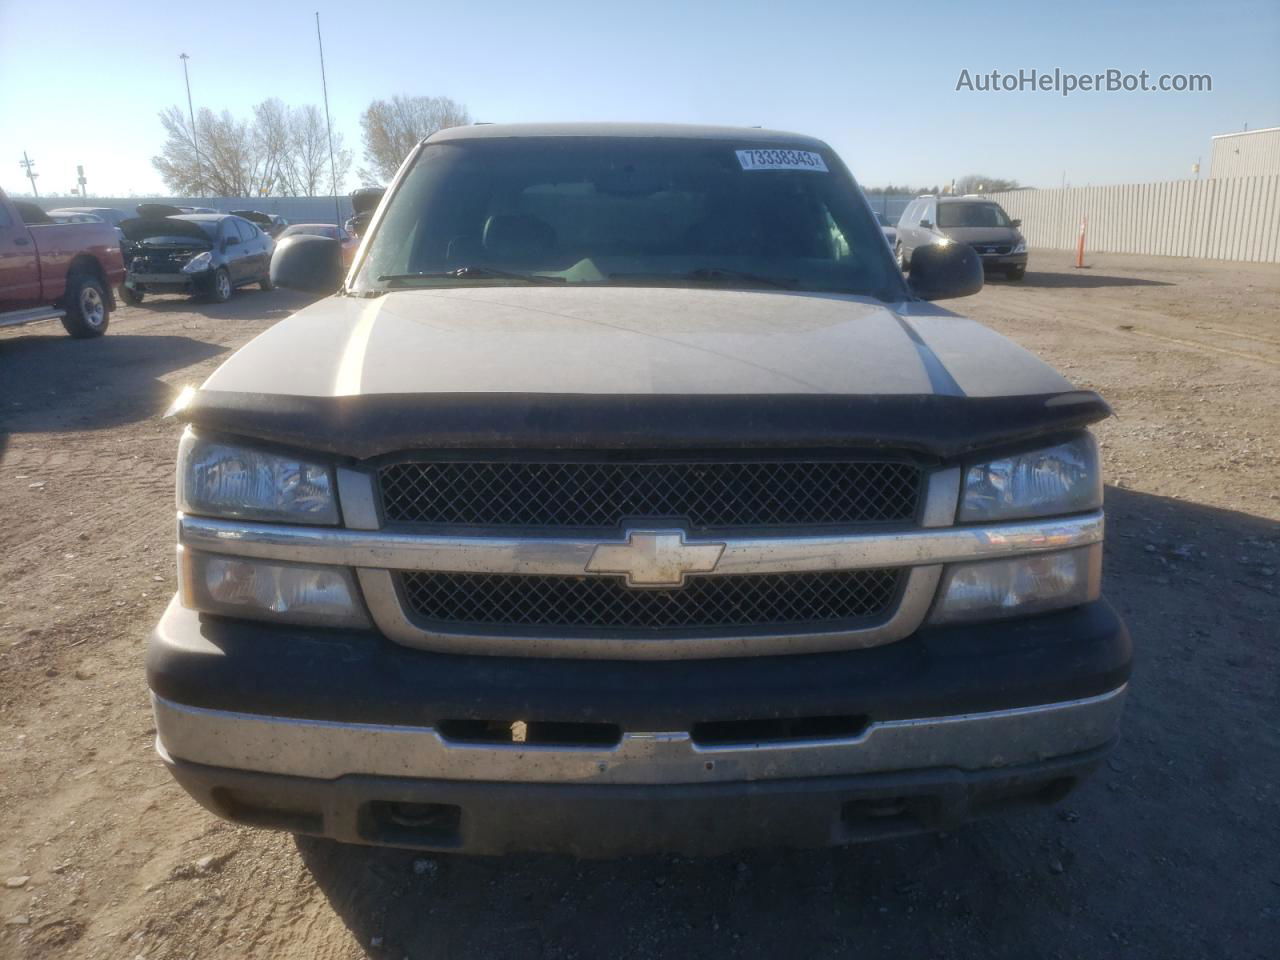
(706,494)
(767,600)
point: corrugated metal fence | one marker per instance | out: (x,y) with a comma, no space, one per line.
(1235,218)
(1254,153)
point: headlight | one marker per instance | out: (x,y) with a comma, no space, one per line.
(224,480)
(1020,247)
(197,263)
(1041,483)
(268,590)
(1019,586)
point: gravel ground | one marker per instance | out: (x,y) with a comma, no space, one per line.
(1172,850)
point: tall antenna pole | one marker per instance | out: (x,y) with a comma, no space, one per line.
(29,165)
(195,142)
(333,166)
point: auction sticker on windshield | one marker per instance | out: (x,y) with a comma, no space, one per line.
(782,160)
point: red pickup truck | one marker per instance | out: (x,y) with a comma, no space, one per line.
(62,271)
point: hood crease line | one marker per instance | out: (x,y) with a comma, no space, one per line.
(350,375)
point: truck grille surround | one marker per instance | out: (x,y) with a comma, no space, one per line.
(853,597)
(769,494)
(603,495)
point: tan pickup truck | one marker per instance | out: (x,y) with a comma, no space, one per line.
(627,498)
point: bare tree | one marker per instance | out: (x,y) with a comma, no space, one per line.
(178,163)
(307,172)
(283,150)
(271,144)
(981,183)
(391,128)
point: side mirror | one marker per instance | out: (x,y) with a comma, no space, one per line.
(941,271)
(1015,224)
(926,224)
(308,263)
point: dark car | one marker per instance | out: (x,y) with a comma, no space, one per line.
(70,216)
(204,254)
(271,224)
(889,228)
(111,215)
(364,202)
(975,220)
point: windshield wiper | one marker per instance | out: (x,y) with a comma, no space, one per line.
(471,273)
(713,275)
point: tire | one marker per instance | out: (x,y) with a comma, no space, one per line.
(265,283)
(220,291)
(900,255)
(1016,273)
(87,307)
(130,296)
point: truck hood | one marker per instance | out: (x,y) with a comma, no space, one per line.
(139,229)
(407,363)
(611,340)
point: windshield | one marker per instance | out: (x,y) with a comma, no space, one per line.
(628,211)
(154,234)
(971,215)
(210,227)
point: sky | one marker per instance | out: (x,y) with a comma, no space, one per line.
(81,83)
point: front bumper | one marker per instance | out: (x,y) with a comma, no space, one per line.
(995,261)
(338,733)
(171,282)
(620,820)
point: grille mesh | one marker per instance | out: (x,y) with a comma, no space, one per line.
(758,493)
(791,600)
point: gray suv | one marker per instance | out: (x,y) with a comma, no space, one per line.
(970,219)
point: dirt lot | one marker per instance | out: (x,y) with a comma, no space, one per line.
(1173,850)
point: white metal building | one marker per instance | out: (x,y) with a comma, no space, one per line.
(1251,153)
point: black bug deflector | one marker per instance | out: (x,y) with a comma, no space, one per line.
(371,425)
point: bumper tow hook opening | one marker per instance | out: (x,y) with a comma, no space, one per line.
(412,824)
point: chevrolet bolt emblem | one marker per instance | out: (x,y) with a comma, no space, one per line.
(655,558)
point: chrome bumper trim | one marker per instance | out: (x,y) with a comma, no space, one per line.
(569,556)
(376,554)
(326,750)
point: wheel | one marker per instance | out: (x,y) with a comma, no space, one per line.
(1016,273)
(87,313)
(900,255)
(221,290)
(129,295)
(265,283)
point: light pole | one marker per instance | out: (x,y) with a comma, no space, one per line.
(333,167)
(29,165)
(195,143)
